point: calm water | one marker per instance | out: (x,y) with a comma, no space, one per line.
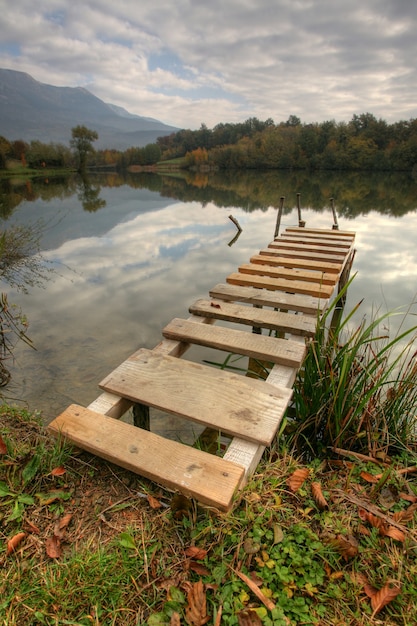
(127,259)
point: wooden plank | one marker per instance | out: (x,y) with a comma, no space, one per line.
(283,272)
(291,263)
(208,478)
(304,325)
(307,241)
(291,244)
(301,253)
(290,286)
(277,299)
(272,349)
(236,405)
(289,232)
(332,232)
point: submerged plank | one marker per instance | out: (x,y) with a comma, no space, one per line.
(282,284)
(272,349)
(236,405)
(262,318)
(290,274)
(277,299)
(204,476)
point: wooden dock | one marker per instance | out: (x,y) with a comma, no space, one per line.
(283,289)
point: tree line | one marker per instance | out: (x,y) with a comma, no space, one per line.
(363,143)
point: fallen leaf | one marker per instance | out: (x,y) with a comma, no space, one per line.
(408,496)
(196,610)
(251,546)
(374,520)
(14,542)
(318,496)
(248,618)
(346,545)
(394,533)
(199,568)
(58,471)
(297,478)
(3,447)
(153,502)
(61,525)
(196,553)
(407,515)
(53,547)
(384,596)
(388,497)
(255,590)
(370,478)
(31,528)
(175,619)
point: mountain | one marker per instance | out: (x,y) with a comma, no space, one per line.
(33,110)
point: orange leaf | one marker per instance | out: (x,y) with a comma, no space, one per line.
(53,547)
(31,528)
(318,496)
(175,619)
(248,618)
(370,478)
(384,596)
(374,520)
(196,553)
(153,502)
(407,515)
(408,496)
(199,568)
(394,533)
(58,471)
(297,478)
(14,542)
(255,589)
(3,447)
(346,545)
(196,611)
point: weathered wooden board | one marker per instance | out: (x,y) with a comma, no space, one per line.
(204,476)
(277,299)
(307,241)
(291,263)
(290,274)
(272,349)
(305,234)
(323,232)
(304,325)
(290,286)
(248,408)
(292,244)
(292,252)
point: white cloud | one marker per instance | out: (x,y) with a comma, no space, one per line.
(192,61)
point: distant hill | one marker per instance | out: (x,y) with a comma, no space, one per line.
(33,110)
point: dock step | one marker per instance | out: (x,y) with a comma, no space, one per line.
(209,478)
(312,276)
(282,284)
(241,342)
(291,263)
(236,405)
(276,299)
(304,325)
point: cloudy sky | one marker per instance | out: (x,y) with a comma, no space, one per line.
(186,62)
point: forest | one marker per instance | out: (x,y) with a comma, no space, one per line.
(363,143)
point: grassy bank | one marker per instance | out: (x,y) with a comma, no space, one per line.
(84,542)
(326,535)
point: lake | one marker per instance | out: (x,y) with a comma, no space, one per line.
(129,254)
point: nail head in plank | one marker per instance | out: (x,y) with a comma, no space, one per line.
(262,297)
(283,351)
(304,325)
(206,477)
(244,407)
(291,286)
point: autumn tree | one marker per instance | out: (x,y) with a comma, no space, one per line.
(82,143)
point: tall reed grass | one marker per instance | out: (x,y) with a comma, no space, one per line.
(357,388)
